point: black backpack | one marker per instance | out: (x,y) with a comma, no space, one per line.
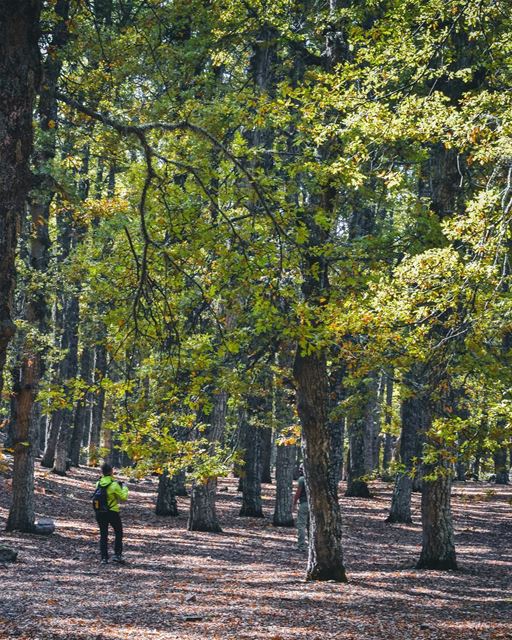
(100,499)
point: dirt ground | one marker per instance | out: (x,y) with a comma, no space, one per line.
(248,582)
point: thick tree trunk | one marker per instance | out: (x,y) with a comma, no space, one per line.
(438,551)
(203,512)
(20,72)
(285,463)
(166,504)
(325,561)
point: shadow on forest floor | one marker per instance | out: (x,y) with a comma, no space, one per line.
(248,581)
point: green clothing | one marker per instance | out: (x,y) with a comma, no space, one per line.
(115,493)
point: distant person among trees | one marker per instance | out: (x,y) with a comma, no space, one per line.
(107,496)
(303,511)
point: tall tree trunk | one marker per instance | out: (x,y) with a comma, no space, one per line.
(81,409)
(438,551)
(20,72)
(25,33)
(68,371)
(98,400)
(71,234)
(203,513)
(325,560)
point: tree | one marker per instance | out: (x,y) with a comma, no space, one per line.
(20,72)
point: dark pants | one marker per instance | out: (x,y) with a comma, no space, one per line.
(104,519)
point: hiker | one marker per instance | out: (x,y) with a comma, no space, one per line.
(303,511)
(106,498)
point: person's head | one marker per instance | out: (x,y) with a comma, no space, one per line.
(106,469)
(301,469)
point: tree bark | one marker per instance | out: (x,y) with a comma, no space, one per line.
(98,401)
(203,512)
(68,372)
(357,487)
(20,71)
(500,465)
(285,463)
(266,455)
(388,438)
(416,421)
(81,409)
(251,471)
(166,504)
(21,514)
(438,551)
(325,560)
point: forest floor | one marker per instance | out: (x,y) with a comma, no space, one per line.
(248,582)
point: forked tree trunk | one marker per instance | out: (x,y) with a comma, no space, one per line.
(203,512)
(438,549)
(325,560)
(166,504)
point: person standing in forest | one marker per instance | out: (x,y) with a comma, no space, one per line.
(107,496)
(303,511)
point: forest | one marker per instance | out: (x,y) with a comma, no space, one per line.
(241,236)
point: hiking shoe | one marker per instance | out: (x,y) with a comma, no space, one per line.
(118,558)
(104,561)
